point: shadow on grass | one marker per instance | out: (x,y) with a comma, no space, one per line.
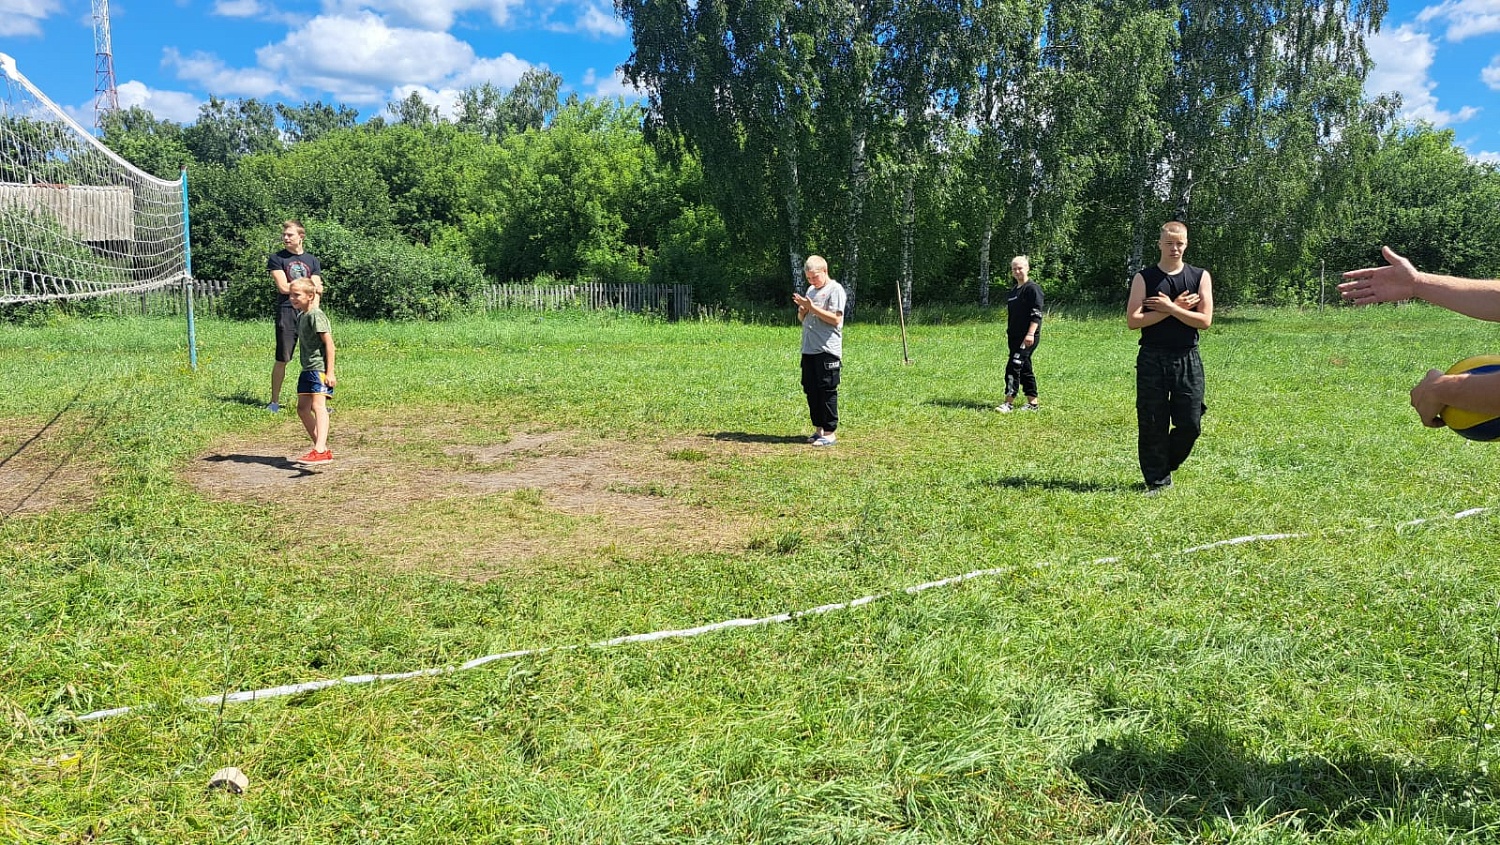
(1071,485)
(263,460)
(39,433)
(66,457)
(1229,317)
(243,399)
(1210,775)
(747,437)
(963,404)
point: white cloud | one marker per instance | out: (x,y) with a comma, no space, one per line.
(24,17)
(362,52)
(258,10)
(435,15)
(601,22)
(502,72)
(1464,18)
(211,74)
(239,8)
(1402,58)
(611,86)
(1486,157)
(1491,74)
(166,105)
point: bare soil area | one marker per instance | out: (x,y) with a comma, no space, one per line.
(479,503)
(45,468)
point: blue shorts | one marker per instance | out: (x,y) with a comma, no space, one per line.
(311,381)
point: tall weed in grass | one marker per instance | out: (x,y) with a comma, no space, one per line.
(1100,683)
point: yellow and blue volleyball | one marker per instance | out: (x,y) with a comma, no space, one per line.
(1475,426)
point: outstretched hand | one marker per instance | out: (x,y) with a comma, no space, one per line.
(1392,283)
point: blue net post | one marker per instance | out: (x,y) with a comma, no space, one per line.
(187,285)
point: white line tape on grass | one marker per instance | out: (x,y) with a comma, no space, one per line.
(682,633)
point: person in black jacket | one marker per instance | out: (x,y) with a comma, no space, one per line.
(1023,331)
(1169,303)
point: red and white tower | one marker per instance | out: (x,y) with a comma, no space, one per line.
(106,98)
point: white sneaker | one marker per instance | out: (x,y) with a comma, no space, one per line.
(1005,408)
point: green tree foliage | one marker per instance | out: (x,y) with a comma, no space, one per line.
(228,210)
(328,178)
(915,144)
(365,277)
(391,279)
(1425,198)
(737,83)
(586,198)
(529,105)
(155,146)
(226,131)
(414,111)
(310,121)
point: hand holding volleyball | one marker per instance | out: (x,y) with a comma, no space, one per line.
(1470,424)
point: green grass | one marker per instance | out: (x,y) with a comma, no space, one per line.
(1102,686)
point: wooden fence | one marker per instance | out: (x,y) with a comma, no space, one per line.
(670,301)
(167,302)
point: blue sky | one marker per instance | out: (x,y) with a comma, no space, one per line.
(169,55)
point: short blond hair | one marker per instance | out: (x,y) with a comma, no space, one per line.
(1024,259)
(302,284)
(1175,227)
(292,224)
(815,262)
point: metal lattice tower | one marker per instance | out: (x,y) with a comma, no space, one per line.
(106,98)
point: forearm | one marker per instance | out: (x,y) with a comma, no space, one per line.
(1477,392)
(832,318)
(1142,318)
(1477,298)
(1194,319)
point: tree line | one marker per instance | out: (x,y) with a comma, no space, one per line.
(915,144)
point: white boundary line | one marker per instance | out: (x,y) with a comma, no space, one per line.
(682,633)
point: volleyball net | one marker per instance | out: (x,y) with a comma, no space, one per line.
(77,220)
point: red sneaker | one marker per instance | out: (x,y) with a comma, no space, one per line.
(316,457)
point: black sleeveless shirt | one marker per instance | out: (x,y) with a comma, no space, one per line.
(1170,333)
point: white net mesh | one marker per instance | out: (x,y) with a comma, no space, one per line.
(76,220)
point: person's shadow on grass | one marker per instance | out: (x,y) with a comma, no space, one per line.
(243,398)
(263,460)
(963,404)
(1070,485)
(1211,775)
(748,437)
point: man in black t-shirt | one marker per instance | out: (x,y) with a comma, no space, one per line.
(287,266)
(1169,303)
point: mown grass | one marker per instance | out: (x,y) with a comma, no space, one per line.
(1101,686)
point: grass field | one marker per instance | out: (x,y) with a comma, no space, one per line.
(547,484)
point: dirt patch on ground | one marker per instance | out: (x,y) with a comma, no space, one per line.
(481,501)
(45,466)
